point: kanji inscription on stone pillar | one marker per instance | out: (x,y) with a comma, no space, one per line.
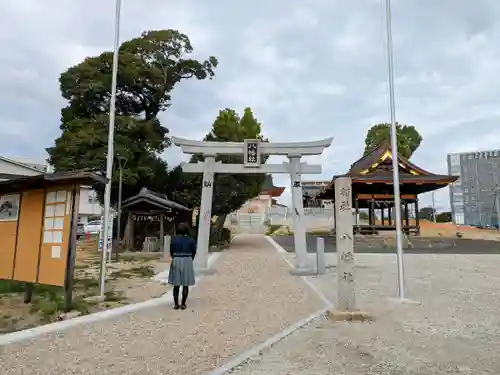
(345,245)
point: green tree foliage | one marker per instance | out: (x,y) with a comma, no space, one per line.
(443,217)
(409,139)
(426,213)
(364,216)
(230,191)
(149,68)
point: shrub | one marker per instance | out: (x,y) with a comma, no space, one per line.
(271,229)
(226,235)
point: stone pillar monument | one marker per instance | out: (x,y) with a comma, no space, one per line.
(346,300)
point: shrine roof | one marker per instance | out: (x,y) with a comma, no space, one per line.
(154,199)
(374,169)
(369,162)
(268,187)
(48,180)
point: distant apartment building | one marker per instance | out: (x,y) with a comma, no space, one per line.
(472,197)
(309,191)
(14,168)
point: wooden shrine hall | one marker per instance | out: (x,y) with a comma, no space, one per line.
(151,215)
(372,189)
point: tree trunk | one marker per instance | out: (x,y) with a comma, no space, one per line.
(217,227)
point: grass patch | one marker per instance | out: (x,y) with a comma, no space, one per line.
(323,232)
(112,296)
(271,228)
(145,271)
(48,302)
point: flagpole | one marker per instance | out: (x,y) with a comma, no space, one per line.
(110,156)
(395,162)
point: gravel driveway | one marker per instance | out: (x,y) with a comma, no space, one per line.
(251,297)
(455,329)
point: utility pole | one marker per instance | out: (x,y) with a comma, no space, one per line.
(122,162)
(433,208)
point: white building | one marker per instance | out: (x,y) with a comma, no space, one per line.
(12,168)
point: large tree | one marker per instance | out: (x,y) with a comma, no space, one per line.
(409,139)
(149,68)
(427,213)
(230,191)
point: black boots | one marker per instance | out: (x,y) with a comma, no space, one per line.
(176,297)
(185,292)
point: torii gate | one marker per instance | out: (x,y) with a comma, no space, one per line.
(252,149)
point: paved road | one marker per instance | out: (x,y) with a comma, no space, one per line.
(250,298)
(422,246)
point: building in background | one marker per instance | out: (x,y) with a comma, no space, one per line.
(267,198)
(309,191)
(472,197)
(14,168)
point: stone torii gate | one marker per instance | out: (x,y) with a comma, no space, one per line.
(252,150)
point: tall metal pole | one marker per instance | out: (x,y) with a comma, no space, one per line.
(433,208)
(110,156)
(395,162)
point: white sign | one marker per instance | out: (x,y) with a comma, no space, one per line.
(110,232)
(9,207)
(252,153)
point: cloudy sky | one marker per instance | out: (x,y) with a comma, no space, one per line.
(309,69)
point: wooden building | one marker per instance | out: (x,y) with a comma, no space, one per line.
(372,189)
(151,215)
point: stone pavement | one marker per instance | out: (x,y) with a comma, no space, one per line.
(454,330)
(249,298)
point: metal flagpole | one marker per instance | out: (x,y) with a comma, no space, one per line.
(110,156)
(395,162)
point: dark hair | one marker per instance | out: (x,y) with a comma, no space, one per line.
(183,229)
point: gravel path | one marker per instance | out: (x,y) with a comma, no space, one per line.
(251,297)
(455,329)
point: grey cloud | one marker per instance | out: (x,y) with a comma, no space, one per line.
(309,70)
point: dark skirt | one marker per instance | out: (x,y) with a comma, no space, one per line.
(181,272)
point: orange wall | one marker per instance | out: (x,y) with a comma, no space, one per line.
(52,269)
(7,248)
(28,235)
(40,255)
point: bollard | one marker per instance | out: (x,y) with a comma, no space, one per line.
(166,247)
(320,256)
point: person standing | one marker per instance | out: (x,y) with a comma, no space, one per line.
(182,251)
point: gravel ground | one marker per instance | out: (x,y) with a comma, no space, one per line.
(251,297)
(455,329)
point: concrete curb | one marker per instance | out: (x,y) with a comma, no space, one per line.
(57,327)
(256,350)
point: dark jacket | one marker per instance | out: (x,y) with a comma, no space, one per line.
(182,246)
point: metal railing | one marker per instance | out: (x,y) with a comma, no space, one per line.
(308,211)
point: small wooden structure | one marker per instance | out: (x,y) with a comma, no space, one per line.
(151,215)
(38,225)
(372,188)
